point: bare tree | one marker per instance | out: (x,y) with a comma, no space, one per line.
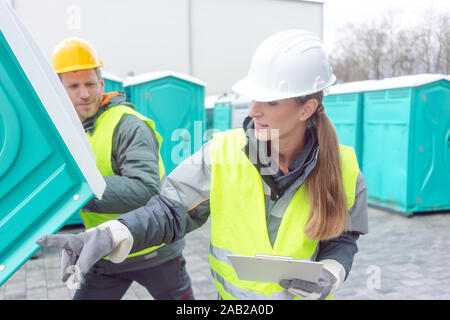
(379,49)
(405,60)
(348,64)
(425,44)
(443,38)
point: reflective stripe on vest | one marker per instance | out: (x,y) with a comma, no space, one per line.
(236,292)
(101,143)
(238,218)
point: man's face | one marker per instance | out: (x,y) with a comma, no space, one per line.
(85,91)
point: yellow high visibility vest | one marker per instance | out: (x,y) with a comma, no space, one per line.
(101,143)
(238,218)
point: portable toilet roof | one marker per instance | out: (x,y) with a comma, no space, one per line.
(234,98)
(112,77)
(150,76)
(387,83)
(48,169)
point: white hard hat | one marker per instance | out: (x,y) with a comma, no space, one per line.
(291,63)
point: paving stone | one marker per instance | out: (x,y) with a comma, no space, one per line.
(58,293)
(15,291)
(400,258)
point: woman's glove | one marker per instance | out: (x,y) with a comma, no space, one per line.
(81,251)
(331,278)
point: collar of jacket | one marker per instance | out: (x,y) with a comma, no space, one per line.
(109,100)
(299,169)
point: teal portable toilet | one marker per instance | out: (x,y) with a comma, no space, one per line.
(344,107)
(222,113)
(209,116)
(112,82)
(230,111)
(406,143)
(175,102)
(239,111)
(47,169)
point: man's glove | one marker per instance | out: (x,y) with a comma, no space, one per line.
(330,279)
(81,251)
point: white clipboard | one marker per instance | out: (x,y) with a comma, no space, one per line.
(268,268)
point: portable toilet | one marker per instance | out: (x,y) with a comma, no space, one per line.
(406,143)
(47,168)
(209,116)
(112,82)
(230,111)
(175,102)
(222,112)
(239,111)
(344,107)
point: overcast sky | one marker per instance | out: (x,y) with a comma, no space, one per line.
(337,13)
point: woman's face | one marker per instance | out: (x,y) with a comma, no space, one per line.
(277,119)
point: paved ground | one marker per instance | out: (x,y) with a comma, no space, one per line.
(401,258)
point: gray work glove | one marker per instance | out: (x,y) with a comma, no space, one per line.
(331,277)
(80,252)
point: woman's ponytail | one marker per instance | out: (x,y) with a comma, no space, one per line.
(328,203)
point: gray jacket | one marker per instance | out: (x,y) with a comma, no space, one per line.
(135,162)
(183,206)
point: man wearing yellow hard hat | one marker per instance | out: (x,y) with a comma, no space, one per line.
(127,151)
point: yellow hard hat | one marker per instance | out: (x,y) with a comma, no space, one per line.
(74,54)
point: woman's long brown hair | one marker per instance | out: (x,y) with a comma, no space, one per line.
(327,199)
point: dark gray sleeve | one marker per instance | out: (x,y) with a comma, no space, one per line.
(359,216)
(182,206)
(343,248)
(135,162)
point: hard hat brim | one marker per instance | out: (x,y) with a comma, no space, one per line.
(78,68)
(248,88)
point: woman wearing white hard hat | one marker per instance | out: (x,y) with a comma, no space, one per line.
(283,186)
